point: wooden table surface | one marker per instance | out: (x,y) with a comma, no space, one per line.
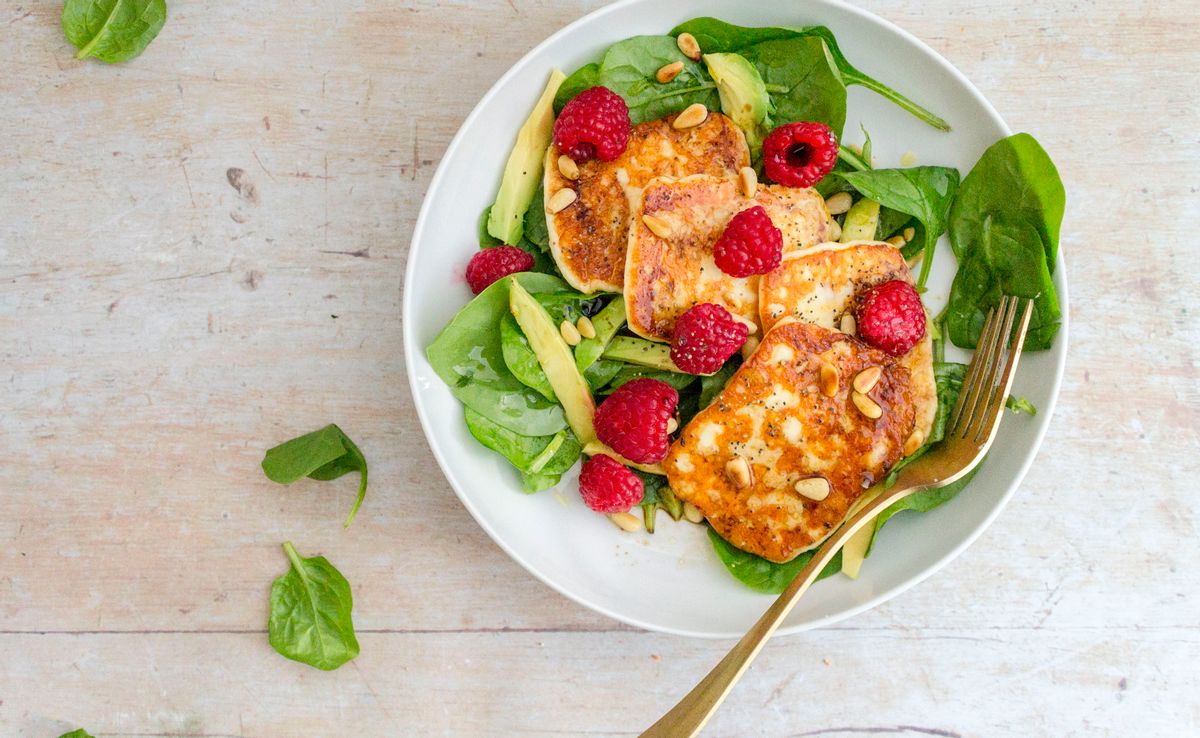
(160,328)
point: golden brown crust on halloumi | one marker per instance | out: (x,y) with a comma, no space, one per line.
(665,276)
(773,414)
(588,239)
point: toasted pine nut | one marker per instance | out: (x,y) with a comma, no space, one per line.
(672,425)
(835,230)
(866,380)
(814,488)
(560,200)
(866,405)
(692,116)
(848,325)
(689,46)
(749,180)
(909,234)
(585,327)
(739,472)
(829,379)
(839,203)
(626,521)
(668,72)
(567,167)
(913,443)
(569,333)
(692,513)
(897,241)
(657,226)
(749,346)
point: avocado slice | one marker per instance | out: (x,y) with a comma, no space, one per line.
(523,172)
(557,361)
(595,448)
(743,94)
(861,221)
(606,322)
(641,352)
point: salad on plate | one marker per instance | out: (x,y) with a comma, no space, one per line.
(691,289)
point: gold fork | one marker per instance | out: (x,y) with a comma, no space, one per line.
(969,432)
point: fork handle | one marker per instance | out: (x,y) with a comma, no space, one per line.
(688,717)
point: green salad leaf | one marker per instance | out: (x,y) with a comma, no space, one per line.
(718,36)
(112,30)
(601,373)
(762,575)
(310,613)
(711,385)
(628,69)
(1004,227)
(607,322)
(78,733)
(323,455)
(537,230)
(924,193)
(630,372)
(520,359)
(541,460)
(469,358)
(801,80)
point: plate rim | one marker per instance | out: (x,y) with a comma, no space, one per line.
(411,351)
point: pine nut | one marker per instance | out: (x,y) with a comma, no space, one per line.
(829,379)
(567,167)
(657,226)
(814,488)
(749,346)
(909,234)
(561,200)
(585,327)
(692,116)
(626,521)
(866,405)
(668,72)
(692,513)
(839,203)
(913,443)
(835,230)
(866,380)
(738,471)
(897,241)
(569,333)
(672,425)
(749,180)
(848,325)
(689,46)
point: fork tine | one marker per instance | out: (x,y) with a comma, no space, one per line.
(986,351)
(973,369)
(994,359)
(991,418)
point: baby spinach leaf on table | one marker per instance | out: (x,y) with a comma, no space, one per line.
(323,455)
(802,81)
(717,36)
(78,733)
(468,356)
(922,192)
(628,69)
(520,359)
(762,575)
(112,30)
(310,613)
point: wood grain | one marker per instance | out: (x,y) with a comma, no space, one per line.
(159,327)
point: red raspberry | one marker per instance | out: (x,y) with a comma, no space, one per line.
(891,317)
(593,125)
(607,486)
(751,244)
(800,154)
(705,336)
(495,263)
(633,420)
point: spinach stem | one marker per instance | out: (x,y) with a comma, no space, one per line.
(293,557)
(898,99)
(851,158)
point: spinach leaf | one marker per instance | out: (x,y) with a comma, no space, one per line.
(601,372)
(324,454)
(486,240)
(568,305)
(892,222)
(717,36)
(628,69)
(1004,227)
(922,192)
(520,359)
(630,372)
(537,231)
(540,459)
(468,356)
(310,613)
(762,575)
(79,733)
(802,81)
(112,30)
(711,385)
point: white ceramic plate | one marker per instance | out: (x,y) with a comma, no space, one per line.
(672,581)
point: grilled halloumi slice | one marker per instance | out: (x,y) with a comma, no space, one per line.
(775,416)
(666,275)
(588,238)
(819,284)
